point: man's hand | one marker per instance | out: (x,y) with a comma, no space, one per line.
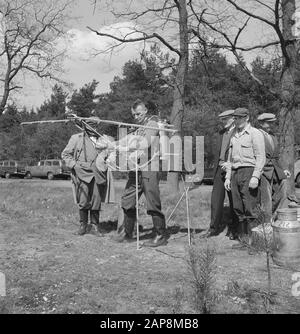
(253,184)
(287,173)
(225,165)
(227,185)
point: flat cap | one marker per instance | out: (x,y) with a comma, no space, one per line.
(226,113)
(241,112)
(267,117)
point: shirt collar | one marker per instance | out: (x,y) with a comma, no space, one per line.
(246,129)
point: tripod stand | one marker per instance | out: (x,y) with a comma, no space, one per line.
(187,185)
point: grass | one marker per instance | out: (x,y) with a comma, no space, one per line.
(50,270)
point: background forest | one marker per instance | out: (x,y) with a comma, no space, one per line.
(213,85)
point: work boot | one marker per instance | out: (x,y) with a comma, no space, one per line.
(82,229)
(240,246)
(123,236)
(83,215)
(158,240)
(126,230)
(94,216)
(231,235)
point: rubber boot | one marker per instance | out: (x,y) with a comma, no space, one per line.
(161,234)
(126,229)
(94,216)
(84,216)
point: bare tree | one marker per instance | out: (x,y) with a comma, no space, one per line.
(30,31)
(165,22)
(220,24)
(228,20)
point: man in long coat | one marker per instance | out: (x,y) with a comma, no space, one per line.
(218,193)
(88,182)
(273,180)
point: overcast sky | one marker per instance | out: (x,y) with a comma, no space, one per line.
(81,68)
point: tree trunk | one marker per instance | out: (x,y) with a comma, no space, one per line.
(179,94)
(6,86)
(287,112)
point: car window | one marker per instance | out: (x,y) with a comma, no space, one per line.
(48,163)
(12,164)
(1,163)
(5,163)
(42,163)
(56,163)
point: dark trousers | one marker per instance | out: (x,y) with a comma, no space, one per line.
(245,200)
(279,194)
(217,204)
(148,184)
(84,216)
(266,197)
(87,195)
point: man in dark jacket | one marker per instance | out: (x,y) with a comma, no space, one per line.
(273,180)
(146,141)
(218,192)
(88,182)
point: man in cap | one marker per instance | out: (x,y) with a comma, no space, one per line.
(88,182)
(218,191)
(247,159)
(273,180)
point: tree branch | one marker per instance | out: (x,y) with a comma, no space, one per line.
(257,17)
(135,16)
(138,39)
(232,46)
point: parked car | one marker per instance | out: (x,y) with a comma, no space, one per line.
(10,168)
(50,169)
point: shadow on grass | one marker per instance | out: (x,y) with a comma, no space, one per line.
(109,225)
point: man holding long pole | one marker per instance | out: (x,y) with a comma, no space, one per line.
(147,141)
(88,182)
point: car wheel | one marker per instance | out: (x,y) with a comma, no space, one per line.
(28,175)
(298,181)
(7,175)
(50,176)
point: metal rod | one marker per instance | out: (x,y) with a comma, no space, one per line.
(137,201)
(101,121)
(186,190)
(49,121)
(188,213)
(176,206)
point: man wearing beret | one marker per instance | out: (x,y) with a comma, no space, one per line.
(218,192)
(88,182)
(273,180)
(247,159)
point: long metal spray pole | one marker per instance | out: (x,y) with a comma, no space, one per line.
(137,201)
(101,121)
